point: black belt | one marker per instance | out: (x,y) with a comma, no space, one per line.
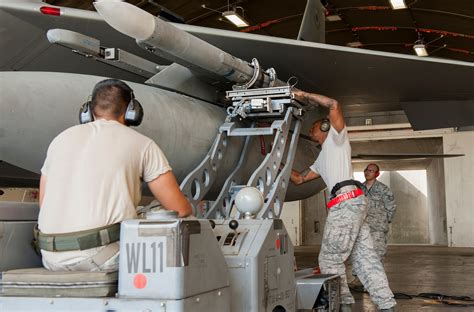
(339,185)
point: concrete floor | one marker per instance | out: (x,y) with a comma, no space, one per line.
(414,270)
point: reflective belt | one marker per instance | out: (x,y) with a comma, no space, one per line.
(343,197)
(80,240)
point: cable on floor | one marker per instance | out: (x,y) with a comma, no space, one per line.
(458,301)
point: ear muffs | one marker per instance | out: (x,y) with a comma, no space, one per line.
(133,114)
(325,125)
(85,113)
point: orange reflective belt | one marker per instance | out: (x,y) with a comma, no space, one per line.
(343,197)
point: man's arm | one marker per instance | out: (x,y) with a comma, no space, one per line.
(167,192)
(335,111)
(298,178)
(42,189)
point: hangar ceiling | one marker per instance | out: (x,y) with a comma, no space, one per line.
(447,27)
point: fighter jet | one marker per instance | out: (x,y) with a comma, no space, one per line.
(52,57)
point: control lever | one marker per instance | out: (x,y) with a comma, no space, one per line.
(233,224)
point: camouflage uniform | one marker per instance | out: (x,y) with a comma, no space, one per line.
(347,234)
(381,211)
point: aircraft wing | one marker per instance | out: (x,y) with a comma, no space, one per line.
(362,80)
(433,92)
(411,156)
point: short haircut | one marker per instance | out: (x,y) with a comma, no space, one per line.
(374,164)
(320,120)
(111,96)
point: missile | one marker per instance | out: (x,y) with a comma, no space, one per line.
(184,131)
(176,45)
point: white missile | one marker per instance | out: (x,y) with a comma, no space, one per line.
(176,45)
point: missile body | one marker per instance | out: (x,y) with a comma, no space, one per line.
(176,45)
(182,126)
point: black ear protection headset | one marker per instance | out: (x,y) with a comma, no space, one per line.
(133,113)
(325,125)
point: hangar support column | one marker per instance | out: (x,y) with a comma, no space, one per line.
(459,181)
(437,202)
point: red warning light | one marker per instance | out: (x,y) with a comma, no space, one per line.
(50,11)
(139,281)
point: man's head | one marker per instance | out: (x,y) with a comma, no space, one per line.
(316,132)
(371,172)
(112,99)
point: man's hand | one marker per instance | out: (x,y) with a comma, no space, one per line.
(167,192)
(299,95)
(298,178)
(42,189)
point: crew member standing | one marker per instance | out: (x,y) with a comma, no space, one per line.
(90,182)
(346,233)
(381,209)
(380,214)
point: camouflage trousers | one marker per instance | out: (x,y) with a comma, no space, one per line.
(346,234)
(379,239)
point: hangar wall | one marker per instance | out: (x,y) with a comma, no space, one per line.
(410,223)
(449,202)
(437,202)
(459,180)
(314,214)
(291,215)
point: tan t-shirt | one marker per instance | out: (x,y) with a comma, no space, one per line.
(93,176)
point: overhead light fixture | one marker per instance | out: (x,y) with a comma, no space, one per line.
(354,44)
(235,18)
(333,18)
(420,49)
(231,15)
(420,46)
(398,4)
